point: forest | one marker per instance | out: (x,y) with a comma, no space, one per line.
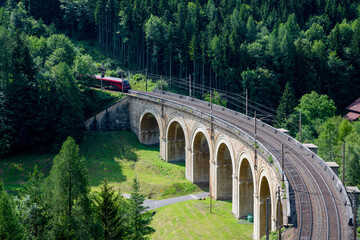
(293,56)
(229,45)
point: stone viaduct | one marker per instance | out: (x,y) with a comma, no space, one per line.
(216,153)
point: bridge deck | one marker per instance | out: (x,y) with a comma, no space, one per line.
(320,208)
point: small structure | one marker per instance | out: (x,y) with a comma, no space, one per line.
(354,111)
(334,166)
(312,147)
(283,130)
(352,192)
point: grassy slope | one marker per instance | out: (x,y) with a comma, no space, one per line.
(110,155)
(192,220)
(113,156)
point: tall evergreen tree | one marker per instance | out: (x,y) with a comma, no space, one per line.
(110,210)
(286,105)
(69,194)
(140,219)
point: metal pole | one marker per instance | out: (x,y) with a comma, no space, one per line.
(146,78)
(267,218)
(255,147)
(190,85)
(211,96)
(282,162)
(161,85)
(102,74)
(300,128)
(211,117)
(343,162)
(122,83)
(279,212)
(354,210)
(162,99)
(210,199)
(246,102)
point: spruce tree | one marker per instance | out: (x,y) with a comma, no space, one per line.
(286,105)
(140,219)
(110,210)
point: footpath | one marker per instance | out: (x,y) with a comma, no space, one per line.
(153,204)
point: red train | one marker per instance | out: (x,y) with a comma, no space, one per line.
(113,83)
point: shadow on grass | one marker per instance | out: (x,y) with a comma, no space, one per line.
(106,153)
(180,163)
(203,186)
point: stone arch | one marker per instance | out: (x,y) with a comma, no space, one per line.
(264,193)
(201,155)
(224,159)
(176,140)
(247,185)
(150,127)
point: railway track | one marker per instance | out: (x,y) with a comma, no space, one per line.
(310,186)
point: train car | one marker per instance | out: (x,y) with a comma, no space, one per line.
(113,83)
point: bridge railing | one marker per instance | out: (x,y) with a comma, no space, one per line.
(297,145)
(262,150)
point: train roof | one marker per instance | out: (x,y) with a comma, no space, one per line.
(110,78)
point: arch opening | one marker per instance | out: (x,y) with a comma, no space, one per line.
(224,173)
(246,189)
(175,143)
(264,194)
(201,158)
(149,130)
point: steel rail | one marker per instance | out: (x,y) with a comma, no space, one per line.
(220,122)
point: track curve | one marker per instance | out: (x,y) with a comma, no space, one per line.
(320,210)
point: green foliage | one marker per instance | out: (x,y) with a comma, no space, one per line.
(262,84)
(140,220)
(286,105)
(315,109)
(10,227)
(328,140)
(68,103)
(352,154)
(4,128)
(32,206)
(345,129)
(68,197)
(110,208)
(216,98)
(270,159)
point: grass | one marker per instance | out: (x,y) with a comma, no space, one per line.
(193,220)
(14,171)
(112,156)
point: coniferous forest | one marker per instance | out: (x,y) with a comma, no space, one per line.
(231,45)
(291,55)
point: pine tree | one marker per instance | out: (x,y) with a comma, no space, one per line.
(110,210)
(286,105)
(140,219)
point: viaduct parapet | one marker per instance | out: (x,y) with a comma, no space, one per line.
(220,151)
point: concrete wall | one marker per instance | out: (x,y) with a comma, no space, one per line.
(114,118)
